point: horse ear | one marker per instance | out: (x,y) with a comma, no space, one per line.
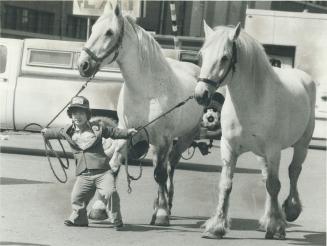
(235,33)
(117,9)
(207,29)
(108,7)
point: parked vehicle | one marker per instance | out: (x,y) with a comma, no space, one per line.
(38,77)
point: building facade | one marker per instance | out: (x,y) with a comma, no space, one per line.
(55,19)
(41,19)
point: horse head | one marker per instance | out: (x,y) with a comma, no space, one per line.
(104,43)
(218,59)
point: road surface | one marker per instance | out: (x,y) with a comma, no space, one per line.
(34,205)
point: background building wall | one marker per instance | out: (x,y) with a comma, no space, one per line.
(63,25)
(190,16)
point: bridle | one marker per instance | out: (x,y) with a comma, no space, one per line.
(231,66)
(113,49)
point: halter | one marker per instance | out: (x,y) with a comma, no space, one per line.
(231,66)
(114,48)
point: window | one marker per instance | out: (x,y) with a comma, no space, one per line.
(45,23)
(76,27)
(3,58)
(48,58)
(27,20)
(280,55)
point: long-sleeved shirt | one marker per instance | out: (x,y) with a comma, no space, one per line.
(87,146)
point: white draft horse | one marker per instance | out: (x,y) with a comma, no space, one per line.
(266,110)
(153,84)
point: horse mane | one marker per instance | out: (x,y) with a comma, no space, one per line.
(252,49)
(148,48)
(247,47)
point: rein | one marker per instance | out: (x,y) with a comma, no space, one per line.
(113,49)
(140,128)
(48,147)
(231,66)
(163,114)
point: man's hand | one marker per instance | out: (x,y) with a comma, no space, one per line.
(131,131)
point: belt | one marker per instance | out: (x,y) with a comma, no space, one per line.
(88,172)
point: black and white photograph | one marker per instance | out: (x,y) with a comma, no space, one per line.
(163,123)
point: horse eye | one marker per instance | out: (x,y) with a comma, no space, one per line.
(215,110)
(109,33)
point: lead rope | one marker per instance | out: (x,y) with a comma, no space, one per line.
(48,147)
(130,177)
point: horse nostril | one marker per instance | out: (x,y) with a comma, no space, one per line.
(85,66)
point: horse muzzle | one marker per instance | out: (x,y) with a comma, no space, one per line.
(87,68)
(202,94)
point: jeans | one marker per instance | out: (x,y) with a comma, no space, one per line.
(83,191)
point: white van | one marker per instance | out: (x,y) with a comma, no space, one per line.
(38,77)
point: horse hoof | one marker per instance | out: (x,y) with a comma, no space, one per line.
(98,214)
(277,235)
(280,236)
(209,235)
(162,221)
(269,235)
(261,228)
(292,210)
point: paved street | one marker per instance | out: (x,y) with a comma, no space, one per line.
(34,205)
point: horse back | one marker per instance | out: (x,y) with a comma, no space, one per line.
(295,105)
(298,83)
(281,116)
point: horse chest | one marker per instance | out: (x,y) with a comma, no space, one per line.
(243,134)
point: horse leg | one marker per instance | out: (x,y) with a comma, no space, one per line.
(264,173)
(292,205)
(160,161)
(181,145)
(218,224)
(170,183)
(273,220)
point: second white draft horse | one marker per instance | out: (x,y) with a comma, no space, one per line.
(266,110)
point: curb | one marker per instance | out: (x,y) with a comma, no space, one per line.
(318,147)
(41,152)
(30,151)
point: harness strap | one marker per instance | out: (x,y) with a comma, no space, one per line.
(163,114)
(114,48)
(130,177)
(231,66)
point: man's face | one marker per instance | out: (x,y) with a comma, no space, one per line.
(79,116)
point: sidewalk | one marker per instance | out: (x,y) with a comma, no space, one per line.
(29,143)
